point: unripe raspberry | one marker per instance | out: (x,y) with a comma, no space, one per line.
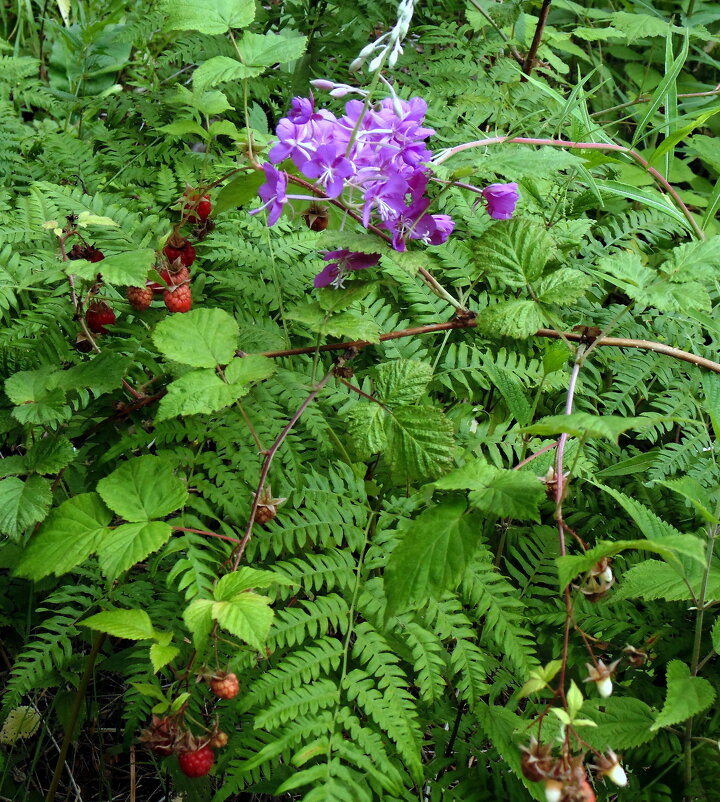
(178,299)
(554,790)
(225,686)
(140,297)
(219,740)
(180,249)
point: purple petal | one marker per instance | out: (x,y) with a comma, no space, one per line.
(501,200)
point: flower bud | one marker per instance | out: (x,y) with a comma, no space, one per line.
(608,765)
(601,675)
(323,84)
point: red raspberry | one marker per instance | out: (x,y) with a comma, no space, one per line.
(88,252)
(201,211)
(198,763)
(183,251)
(140,297)
(98,316)
(178,299)
(225,686)
(175,277)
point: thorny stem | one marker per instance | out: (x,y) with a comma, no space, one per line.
(537,38)
(561,143)
(240,549)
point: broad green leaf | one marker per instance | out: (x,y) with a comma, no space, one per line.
(218,70)
(519,319)
(198,392)
(587,426)
(563,287)
(622,723)
(240,191)
(143,488)
(232,586)
(686,696)
(366,429)
(690,259)
(37,398)
(202,338)
(128,269)
(652,579)
(514,251)
(127,624)
(100,374)
(715,635)
(248,369)
(198,617)
(540,678)
(128,544)
(647,197)
(209,104)
(497,491)
(343,325)
(402,381)
(432,555)
(264,50)
(161,655)
(184,126)
(71,533)
(23,503)
(248,616)
(690,489)
(211,17)
(420,442)
(50,455)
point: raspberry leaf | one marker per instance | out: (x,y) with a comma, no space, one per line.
(142,489)
(202,338)
(128,624)
(23,503)
(129,544)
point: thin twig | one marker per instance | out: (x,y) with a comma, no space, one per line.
(537,38)
(524,462)
(240,549)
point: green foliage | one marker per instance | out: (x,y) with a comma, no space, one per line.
(396,611)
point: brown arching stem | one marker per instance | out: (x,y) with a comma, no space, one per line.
(537,39)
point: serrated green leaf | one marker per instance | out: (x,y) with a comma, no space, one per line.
(264,50)
(402,381)
(342,325)
(128,624)
(198,617)
(366,430)
(505,493)
(519,319)
(71,533)
(563,287)
(38,400)
(419,442)
(219,69)
(183,127)
(198,392)
(23,503)
(432,555)
(243,371)
(50,455)
(143,488)
(211,17)
(128,269)
(128,544)
(690,489)
(514,251)
(101,374)
(652,579)
(622,723)
(231,586)
(585,425)
(686,696)
(162,655)
(201,338)
(248,616)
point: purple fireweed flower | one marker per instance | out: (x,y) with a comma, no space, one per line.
(388,197)
(302,110)
(330,169)
(295,143)
(343,260)
(501,200)
(273,193)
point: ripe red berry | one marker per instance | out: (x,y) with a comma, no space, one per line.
(175,277)
(178,299)
(98,316)
(201,211)
(140,297)
(225,686)
(183,251)
(198,763)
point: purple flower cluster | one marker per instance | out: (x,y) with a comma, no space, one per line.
(378,155)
